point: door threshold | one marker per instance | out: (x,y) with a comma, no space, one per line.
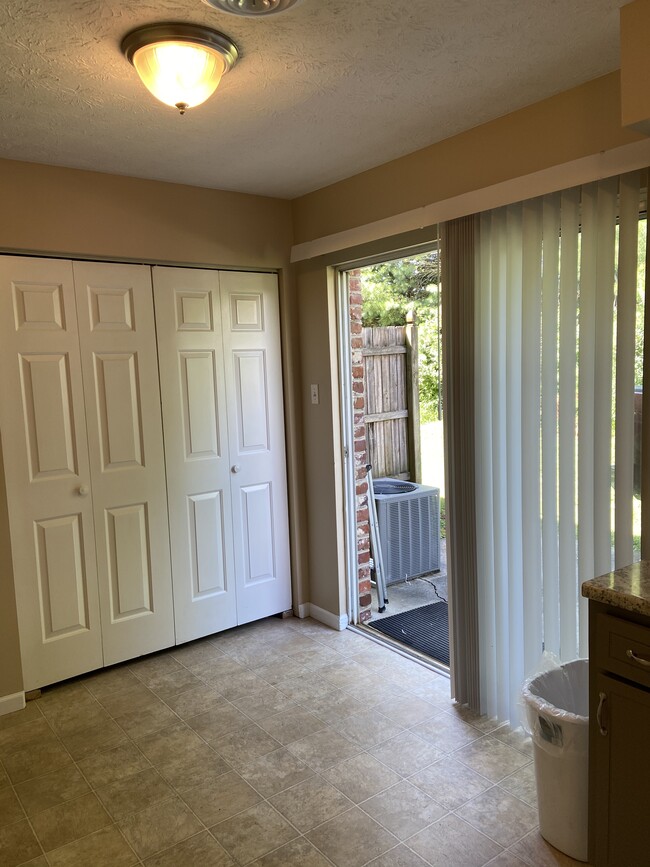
(401,649)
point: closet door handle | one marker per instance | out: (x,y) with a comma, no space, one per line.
(82,490)
(235,468)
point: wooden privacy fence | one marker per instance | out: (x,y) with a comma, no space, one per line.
(392,414)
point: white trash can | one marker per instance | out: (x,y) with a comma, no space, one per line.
(557,711)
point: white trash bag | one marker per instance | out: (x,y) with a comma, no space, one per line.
(557,719)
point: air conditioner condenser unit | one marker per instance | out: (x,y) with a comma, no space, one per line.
(408,516)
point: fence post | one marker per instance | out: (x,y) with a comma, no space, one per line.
(413,396)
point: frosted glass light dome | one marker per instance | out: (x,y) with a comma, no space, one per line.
(179,73)
(180,64)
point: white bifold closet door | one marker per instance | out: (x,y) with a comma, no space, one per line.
(258,480)
(127,464)
(47,471)
(221,382)
(82,446)
(188,319)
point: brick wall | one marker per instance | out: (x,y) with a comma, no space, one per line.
(360,448)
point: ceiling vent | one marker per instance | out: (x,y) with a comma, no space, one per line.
(252,8)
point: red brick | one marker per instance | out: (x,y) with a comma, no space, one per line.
(355,328)
(362,488)
(359,403)
(364,616)
(356,298)
(363,544)
(364,587)
(365,600)
(356,342)
(357,371)
(364,557)
(362,515)
(357,387)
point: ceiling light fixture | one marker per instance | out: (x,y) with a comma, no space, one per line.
(181,64)
(252,7)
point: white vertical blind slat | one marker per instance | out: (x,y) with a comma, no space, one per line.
(551,243)
(586,394)
(625,346)
(513,401)
(567,423)
(530,429)
(499,452)
(602,421)
(484,493)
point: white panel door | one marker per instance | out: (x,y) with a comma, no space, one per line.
(120,373)
(188,319)
(48,476)
(258,482)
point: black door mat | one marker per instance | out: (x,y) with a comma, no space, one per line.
(425,629)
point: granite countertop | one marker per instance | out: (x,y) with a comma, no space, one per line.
(627,588)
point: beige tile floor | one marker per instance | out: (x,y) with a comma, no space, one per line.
(276,744)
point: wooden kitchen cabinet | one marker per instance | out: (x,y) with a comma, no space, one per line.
(619,750)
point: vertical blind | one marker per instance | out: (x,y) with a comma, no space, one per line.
(555,314)
(458,244)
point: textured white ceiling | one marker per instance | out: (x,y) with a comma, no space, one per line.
(321,92)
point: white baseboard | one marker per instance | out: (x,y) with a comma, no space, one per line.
(303,610)
(334,621)
(11,703)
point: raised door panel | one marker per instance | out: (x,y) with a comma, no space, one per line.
(253,369)
(61,576)
(119,409)
(188,320)
(119,363)
(45,452)
(198,379)
(47,414)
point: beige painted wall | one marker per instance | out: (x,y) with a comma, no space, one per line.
(50,210)
(322,451)
(635,65)
(46,208)
(573,124)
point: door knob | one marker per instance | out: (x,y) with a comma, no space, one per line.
(83,490)
(236,468)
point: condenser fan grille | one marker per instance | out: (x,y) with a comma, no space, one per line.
(409,529)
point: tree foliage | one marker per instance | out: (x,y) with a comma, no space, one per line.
(390,291)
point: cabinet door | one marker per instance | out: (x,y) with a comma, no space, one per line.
(120,373)
(188,319)
(47,470)
(622,768)
(253,369)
